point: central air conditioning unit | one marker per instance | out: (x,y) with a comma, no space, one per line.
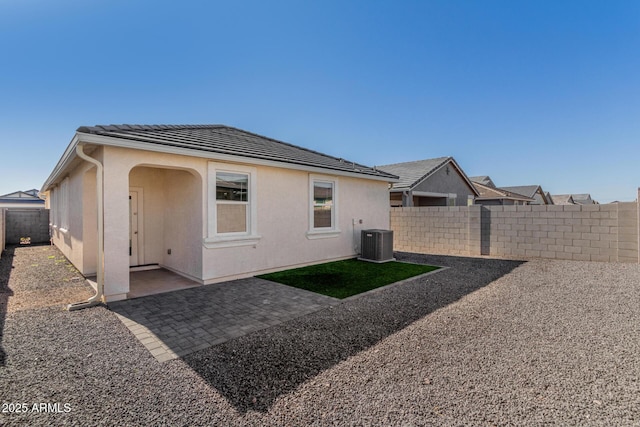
(377,246)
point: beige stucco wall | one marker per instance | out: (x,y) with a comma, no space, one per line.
(283,222)
(176,214)
(71,241)
(118,164)
(89,238)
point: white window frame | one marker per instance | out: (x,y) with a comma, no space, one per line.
(323,232)
(53,207)
(245,238)
(63,201)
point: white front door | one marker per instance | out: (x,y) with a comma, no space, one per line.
(134,228)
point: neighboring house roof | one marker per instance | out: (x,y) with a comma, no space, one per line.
(573,199)
(491,193)
(21,198)
(411,174)
(212,141)
(583,199)
(24,196)
(562,199)
(533,191)
(484,180)
(525,190)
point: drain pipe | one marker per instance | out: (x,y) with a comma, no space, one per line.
(98,298)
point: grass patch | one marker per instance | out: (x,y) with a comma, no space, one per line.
(342,279)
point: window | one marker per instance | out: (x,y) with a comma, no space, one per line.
(323,207)
(232,217)
(53,207)
(63,202)
(322,204)
(232,202)
(59,206)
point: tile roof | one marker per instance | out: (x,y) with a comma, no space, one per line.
(488,193)
(22,195)
(525,190)
(484,180)
(412,173)
(227,140)
(22,198)
(583,199)
(562,199)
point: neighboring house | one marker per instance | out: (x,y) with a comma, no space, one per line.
(22,200)
(532,191)
(496,196)
(484,180)
(211,203)
(583,199)
(562,199)
(431,182)
(548,197)
(573,199)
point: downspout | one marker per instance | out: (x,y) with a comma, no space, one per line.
(98,298)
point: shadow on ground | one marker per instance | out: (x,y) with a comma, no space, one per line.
(254,370)
(6,264)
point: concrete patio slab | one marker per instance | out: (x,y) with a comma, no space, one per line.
(173,324)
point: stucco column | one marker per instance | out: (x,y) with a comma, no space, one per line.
(116,228)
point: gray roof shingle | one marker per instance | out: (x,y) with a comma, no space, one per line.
(227,140)
(411,173)
(525,190)
(484,180)
(562,199)
(488,192)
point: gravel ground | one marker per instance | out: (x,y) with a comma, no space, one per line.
(485,342)
(41,276)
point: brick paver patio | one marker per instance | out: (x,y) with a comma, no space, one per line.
(174,324)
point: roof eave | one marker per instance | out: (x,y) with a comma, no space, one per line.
(90,138)
(67,157)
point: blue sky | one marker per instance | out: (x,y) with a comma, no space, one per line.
(528,92)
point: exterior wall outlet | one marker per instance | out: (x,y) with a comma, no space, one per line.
(168,251)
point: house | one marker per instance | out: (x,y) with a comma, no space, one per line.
(209,202)
(562,199)
(573,199)
(532,191)
(484,180)
(583,199)
(22,200)
(490,195)
(431,182)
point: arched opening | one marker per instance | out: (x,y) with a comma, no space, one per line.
(165,229)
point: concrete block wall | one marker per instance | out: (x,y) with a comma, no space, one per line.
(33,223)
(433,229)
(573,232)
(627,232)
(608,233)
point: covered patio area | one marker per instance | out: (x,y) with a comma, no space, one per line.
(156,281)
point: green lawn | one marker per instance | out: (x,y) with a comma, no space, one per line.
(342,279)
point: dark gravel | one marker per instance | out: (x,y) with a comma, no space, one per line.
(485,342)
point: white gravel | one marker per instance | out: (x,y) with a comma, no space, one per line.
(485,342)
